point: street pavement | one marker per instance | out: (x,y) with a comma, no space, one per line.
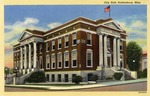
(98,85)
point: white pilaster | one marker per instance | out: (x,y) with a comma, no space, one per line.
(114,52)
(25,57)
(105,51)
(100,50)
(34,64)
(21,59)
(118,51)
(29,56)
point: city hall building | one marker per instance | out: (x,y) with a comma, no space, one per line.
(79,47)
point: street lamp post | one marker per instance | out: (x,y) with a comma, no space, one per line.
(134,64)
(16,71)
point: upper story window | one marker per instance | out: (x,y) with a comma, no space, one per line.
(40,48)
(47,62)
(74,39)
(53,61)
(47,46)
(66,41)
(59,43)
(121,45)
(108,43)
(89,58)
(89,39)
(53,45)
(74,58)
(59,60)
(66,59)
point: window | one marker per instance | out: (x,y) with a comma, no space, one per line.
(47,62)
(47,46)
(121,45)
(53,61)
(108,43)
(59,77)
(59,60)
(40,48)
(89,38)
(41,62)
(66,41)
(74,39)
(89,58)
(73,76)
(59,43)
(74,58)
(53,78)
(66,78)
(53,45)
(66,59)
(47,77)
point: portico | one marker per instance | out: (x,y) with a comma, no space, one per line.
(28,52)
(107,54)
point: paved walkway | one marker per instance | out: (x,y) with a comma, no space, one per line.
(101,84)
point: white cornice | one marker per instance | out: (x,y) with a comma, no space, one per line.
(80,29)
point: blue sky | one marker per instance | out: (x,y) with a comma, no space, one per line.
(132,18)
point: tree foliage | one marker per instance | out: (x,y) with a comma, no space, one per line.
(134,56)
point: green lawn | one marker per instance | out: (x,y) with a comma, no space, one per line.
(57,84)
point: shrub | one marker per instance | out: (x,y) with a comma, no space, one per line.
(139,74)
(118,76)
(94,78)
(77,79)
(109,78)
(144,73)
(36,77)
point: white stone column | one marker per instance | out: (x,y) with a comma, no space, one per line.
(118,51)
(21,59)
(34,64)
(105,51)
(114,52)
(25,58)
(29,56)
(101,50)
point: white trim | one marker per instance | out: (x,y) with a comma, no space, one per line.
(89,51)
(66,40)
(90,39)
(53,44)
(60,53)
(65,57)
(47,61)
(75,50)
(123,39)
(52,61)
(112,21)
(80,21)
(68,33)
(74,39)
(59,43)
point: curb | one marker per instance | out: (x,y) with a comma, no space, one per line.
(56,88)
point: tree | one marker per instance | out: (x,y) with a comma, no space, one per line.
(134,56)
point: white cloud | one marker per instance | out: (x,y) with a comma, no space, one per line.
(54,24)
(13,31)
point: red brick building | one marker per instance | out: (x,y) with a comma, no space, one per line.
(79,47)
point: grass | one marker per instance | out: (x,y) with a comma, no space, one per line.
(56,84)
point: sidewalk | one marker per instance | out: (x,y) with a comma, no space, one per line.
(101,84)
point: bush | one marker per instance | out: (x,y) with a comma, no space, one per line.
(118,76)
(94,78)
(77,79)
(141,74)
(36,77)
(145,73)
